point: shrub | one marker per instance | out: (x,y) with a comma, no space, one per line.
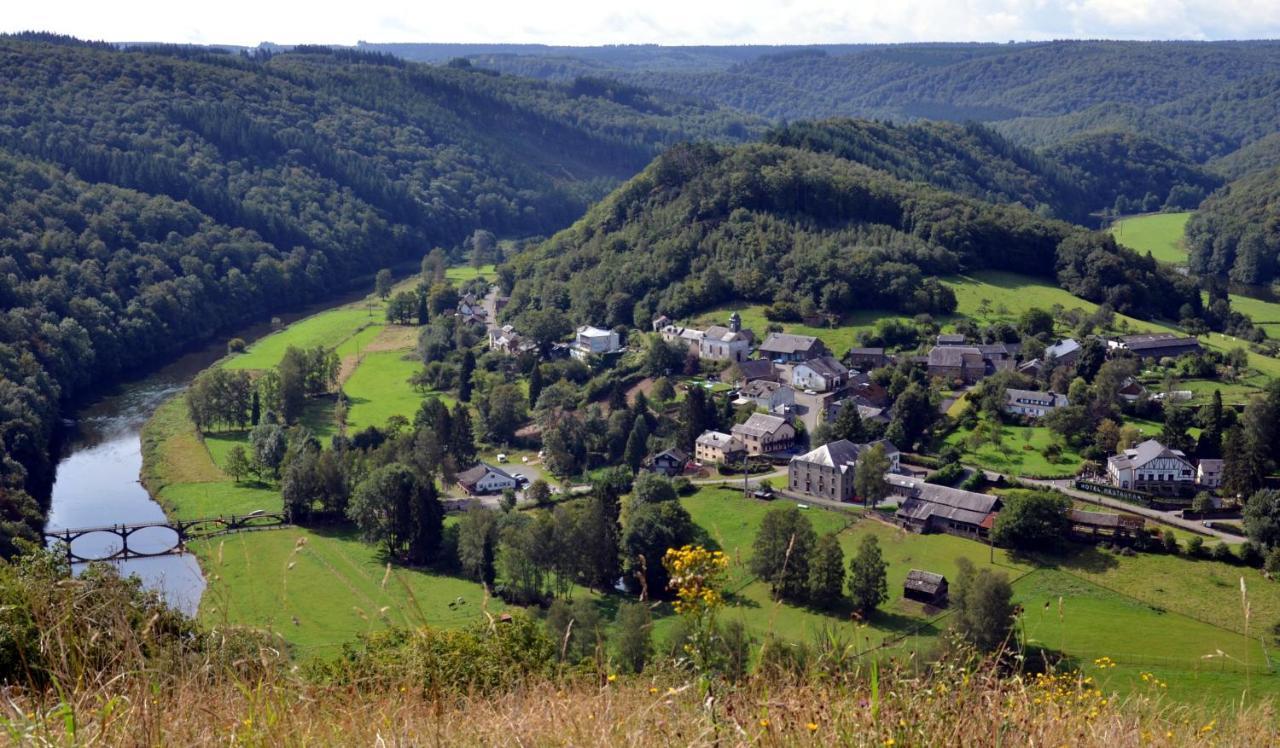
(1272,564)
(236,345)
(1251,554)
(1195,547)
(1222,552)
(1170,542)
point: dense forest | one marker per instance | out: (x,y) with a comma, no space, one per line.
(1236,232)
(1087,174)
(154,197)
(1203,100)
(809,231)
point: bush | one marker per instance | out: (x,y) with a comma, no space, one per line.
(1251,554)
(1272,564)
(684,486)
(236,345)
(947,475)
(1222,552)
(1170,542)
(1195,547)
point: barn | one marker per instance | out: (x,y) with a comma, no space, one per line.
(925,587)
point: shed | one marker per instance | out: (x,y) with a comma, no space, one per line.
(926,587)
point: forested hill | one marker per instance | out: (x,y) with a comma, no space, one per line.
(704,225)
(1236,232)
(1204,100)
(154,197)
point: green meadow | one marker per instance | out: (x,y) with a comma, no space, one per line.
(379,388)
(1158,233)
(1020,452)
(328,329)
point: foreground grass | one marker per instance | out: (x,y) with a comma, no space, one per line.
(949,706)
(1158,233)
(320,588)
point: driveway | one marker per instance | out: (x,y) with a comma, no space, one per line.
(1171,519)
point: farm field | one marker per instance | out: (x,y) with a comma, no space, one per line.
(1158,233)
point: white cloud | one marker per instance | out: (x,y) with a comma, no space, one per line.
(248,22)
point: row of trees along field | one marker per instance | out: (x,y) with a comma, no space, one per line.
(151,198)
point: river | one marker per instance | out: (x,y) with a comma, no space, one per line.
(98,479)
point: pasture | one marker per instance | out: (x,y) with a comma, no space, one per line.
(379,388)
(1158,233)
(1020,451)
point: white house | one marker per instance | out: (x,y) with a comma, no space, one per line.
(1152,467)
(821,374)
(1032,404)
(730,343)
(768,396)
(485,479)
(593,341)
(1209,473)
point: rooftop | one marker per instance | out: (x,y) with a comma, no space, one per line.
(785,343)
(760,424)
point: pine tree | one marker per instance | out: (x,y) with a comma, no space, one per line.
(693,418)
(462,439)
(465,372)
(255,413)
(617,398)
(535,385)
(422,313)
(637,445)
(848,424)
(826,572)
(867,581)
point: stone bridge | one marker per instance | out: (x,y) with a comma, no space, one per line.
(182,532)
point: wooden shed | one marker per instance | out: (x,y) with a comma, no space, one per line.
(925,587)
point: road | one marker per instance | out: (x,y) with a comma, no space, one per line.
(1170,519)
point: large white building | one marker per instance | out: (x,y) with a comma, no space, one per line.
(593,341)
(828,471)
(1032,404)
(1152,467)
(821,374)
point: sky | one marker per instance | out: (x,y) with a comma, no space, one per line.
(671,22)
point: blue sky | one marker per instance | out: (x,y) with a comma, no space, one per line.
(585,22)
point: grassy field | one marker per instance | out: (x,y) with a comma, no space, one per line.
(1013,457)
(1157,233)
(1009,294)
(379,388)
(329,329)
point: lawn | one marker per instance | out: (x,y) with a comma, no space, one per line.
(328,329)
(460,274)
(379,388)
(1012,455)
(1158,233)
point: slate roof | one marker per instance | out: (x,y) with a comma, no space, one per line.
(951,339)
(842,453)
(1064,348)
(760,388)
(826,367)
(674,453)
(760,424)
(955,356)
(925,500)
(719,440)
(756,368)
(725,335)
(1031,397)
(785,343)
(589,331)
(924,581)
(474,475)
(1143,454)
(1158,340)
